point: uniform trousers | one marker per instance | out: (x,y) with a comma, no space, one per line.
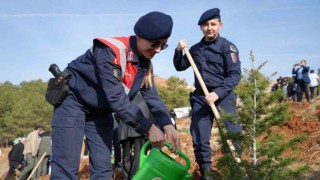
(71,121)
(201,124)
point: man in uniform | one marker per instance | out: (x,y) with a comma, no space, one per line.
(217,60)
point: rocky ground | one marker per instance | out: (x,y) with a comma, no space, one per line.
(305,120)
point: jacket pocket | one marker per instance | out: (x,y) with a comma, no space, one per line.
(65,122)
(215,63)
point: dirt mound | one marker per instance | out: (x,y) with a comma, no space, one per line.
(304,121)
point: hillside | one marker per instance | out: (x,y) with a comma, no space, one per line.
(305,120)
(159,81)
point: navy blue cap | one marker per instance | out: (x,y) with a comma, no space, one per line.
(154,25)
(209,14)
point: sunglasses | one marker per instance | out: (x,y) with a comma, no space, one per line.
(157,44)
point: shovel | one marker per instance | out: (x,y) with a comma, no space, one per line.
(227,145)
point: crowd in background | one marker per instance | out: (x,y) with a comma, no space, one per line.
(303,83)
(26,152)
(30,155)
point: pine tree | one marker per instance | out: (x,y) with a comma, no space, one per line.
(21,108)
(175,93)
(258,110)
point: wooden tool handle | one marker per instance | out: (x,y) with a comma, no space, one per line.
(203,86)
(36,167)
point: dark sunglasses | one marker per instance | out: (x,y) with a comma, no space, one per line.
(157,44)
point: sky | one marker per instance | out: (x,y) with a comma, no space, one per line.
(37,33)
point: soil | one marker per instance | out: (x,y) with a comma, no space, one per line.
(305,120)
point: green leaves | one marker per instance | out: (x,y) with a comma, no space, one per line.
(258,110)
(175,93)
(21,108)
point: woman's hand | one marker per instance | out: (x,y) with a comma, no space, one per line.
(172,137)
(156,136)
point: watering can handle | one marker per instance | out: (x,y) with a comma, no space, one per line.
(143,155)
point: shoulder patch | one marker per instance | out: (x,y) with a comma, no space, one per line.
(116,73)
(233,48)
(234,57)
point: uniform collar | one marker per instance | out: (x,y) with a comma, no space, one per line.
(212,42)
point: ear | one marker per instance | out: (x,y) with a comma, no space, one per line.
(221,24)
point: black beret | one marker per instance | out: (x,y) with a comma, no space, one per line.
(209,14)
(154,25)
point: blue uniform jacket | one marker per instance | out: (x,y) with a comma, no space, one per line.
(96,82)
(218,63)
(305,73)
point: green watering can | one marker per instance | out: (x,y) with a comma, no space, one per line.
(157,165)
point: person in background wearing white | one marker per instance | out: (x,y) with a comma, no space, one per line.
(314,83)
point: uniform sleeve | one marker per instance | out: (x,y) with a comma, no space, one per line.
(232,71)
(180,62)
(305,69)
(156,105)
(294,71)
(116,97)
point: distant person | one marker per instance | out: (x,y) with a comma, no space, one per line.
(275,87)
(318,89)
(173,118)
(301,72)
(131,143)
(44,147)
(85,151)
(99,85)
(31,150)
(284,86)
(219,65)
(15,157)
(116,146)
(291,89)
(314,83)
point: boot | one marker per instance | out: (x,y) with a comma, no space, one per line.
(207,174)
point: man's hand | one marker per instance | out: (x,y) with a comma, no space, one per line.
(211,98)
(182,44)
(172,137)
(156,136)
